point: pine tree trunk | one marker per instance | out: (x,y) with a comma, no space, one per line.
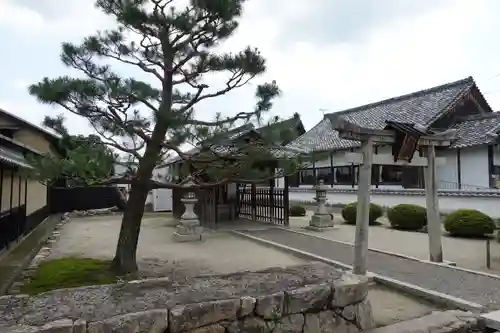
(125,256)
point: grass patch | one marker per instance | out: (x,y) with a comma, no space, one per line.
(69,273)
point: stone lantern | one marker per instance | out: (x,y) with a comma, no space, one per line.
(189,228)
(321,220)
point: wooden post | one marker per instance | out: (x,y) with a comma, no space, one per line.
(286,202)
(488,254)
(363,208)
(332,170)
(253,196)
(433,217)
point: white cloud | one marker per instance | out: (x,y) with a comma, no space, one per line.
(393,55)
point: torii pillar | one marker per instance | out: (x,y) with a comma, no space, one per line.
(369,138)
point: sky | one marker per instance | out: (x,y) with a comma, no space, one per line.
(326,55)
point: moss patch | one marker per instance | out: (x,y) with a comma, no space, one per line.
(69,273)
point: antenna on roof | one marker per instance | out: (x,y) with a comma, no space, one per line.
(323,111)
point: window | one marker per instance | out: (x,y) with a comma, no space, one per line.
(325,174)
(375,174)
(496,176)
(345,175)
(392,174)
(307,177)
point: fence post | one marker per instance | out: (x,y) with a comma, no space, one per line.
(286,203)
(272,209)
(254,201)
(488,254)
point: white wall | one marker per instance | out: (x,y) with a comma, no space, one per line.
(447,173)
(473,169)
(474,166)
(488,205)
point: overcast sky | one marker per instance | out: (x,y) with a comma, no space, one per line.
(324,54)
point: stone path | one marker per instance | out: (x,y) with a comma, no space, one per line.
(471,287)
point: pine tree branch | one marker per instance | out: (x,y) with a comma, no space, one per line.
(199,183)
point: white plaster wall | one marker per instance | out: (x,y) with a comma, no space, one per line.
(474,167)
(447,173)
(488,205)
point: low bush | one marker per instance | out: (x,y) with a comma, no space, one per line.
(297,210)
(407,217)
(469,223)
(349,213)
(69,273)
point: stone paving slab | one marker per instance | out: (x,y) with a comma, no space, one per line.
(469,286)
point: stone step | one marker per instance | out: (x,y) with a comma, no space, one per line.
(492,319)
(451,321)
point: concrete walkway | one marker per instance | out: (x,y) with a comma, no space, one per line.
(472,287)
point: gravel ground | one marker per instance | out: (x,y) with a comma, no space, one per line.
(465,252)
(469,286)
(159,255)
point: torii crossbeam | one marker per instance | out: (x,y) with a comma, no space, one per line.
(370,137)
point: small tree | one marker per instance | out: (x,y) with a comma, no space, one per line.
(176,49)
(82,160)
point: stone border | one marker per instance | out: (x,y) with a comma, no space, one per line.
(24,276)
(411,289)
(447,264)
(338,301)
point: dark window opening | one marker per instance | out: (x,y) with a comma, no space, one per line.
(391,174)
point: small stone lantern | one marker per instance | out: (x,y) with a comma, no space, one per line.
(189,228)
(321,220)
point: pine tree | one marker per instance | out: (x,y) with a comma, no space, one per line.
(81,160)
(176,48)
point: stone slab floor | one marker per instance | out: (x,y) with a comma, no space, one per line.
(467,253)
(220,252)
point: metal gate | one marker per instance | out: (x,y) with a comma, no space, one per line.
(263,204)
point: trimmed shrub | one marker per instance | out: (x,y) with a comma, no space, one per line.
(469,223)
(407,217)
(297,210)
(349,213)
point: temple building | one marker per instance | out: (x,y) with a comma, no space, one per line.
(471,162)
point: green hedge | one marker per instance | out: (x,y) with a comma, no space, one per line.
(469,223)
(407,217)
(297,210)
(349,213)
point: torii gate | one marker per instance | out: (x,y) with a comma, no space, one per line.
(405,138)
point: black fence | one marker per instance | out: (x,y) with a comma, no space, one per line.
(14,224)
(83,198)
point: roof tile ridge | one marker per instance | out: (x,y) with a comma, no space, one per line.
(468,80)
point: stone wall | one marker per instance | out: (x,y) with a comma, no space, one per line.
(308,298)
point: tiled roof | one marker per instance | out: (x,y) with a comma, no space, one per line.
(12,157)
(321,138)
(292,123)
(477,130)
(421,108)
(237,132)
(37,128)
